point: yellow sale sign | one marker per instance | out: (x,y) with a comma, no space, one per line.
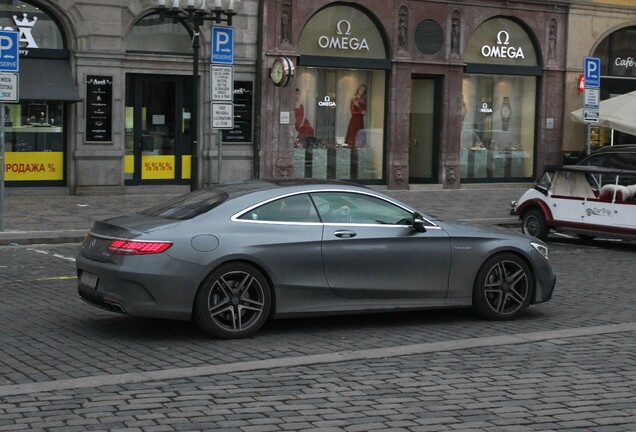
(30,166)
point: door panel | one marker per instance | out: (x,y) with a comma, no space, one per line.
(371,251)
(424,131)
(157,129)
(375,261)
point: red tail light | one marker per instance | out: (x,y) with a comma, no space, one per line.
(125,247)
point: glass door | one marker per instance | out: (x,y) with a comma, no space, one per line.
(157,130)
(424,133)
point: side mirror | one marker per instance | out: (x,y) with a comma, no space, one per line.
(418,222)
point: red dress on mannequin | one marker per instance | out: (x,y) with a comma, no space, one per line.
(358,106)
(302,125)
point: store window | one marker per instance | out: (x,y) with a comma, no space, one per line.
(340,96)
(37,29)
(618,76)
(35,126)
(339,123)
(155,34)
(498,110)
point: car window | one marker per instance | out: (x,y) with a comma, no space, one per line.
(622,160)
(595,160)
(189,205)
(349,207)
(296,208)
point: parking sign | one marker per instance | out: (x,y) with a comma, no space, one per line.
(222,45)
(9,51)
(592,72)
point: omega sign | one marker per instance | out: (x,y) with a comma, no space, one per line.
(502,49)
(343,40)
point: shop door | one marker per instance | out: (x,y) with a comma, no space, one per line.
(424,132)
(157,130)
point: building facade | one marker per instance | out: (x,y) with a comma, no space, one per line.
(393,93)
(106,99)
(400,93)
(609,27)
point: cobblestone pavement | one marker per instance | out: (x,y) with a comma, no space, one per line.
(569,364)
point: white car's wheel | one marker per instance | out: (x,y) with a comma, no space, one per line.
(534,224)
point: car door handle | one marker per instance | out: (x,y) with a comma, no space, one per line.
(345,234)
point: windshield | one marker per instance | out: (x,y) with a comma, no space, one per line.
(189,205)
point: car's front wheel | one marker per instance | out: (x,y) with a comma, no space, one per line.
(503,287)
(534,224)
(233,302)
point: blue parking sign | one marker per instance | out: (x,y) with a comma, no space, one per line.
(592,72)
(222,45)
(9,51)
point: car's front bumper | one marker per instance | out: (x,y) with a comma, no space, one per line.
(545,278)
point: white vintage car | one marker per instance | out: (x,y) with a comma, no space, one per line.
(588,201)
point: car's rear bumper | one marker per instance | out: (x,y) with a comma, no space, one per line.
(165,289)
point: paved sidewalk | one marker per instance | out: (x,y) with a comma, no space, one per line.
(65,219)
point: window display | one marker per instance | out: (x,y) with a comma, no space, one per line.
(34,140)
(497,137)
(339,123)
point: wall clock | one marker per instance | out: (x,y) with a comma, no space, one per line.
(282,71)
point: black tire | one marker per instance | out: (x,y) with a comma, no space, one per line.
(534,224)
(233,302)
(503,288)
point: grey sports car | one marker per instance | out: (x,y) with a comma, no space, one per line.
(233,256)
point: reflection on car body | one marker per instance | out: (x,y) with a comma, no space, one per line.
(233,256)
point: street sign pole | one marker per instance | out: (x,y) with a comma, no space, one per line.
(222,54)
(2,166)
(9,62)
(591,105)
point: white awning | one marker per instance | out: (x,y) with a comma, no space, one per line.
(616,113)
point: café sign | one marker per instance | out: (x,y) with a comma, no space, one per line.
(626,63)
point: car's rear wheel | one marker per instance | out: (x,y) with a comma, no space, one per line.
(233,302)
(503,287)
(534,224)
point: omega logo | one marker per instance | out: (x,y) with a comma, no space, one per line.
(485,108)
(506,40)
(340,24)
(327,102)
(502,49)
(342,40)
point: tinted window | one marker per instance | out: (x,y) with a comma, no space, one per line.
(622,160)
(346,207)
(595,160)
(189,205)
(297,208)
